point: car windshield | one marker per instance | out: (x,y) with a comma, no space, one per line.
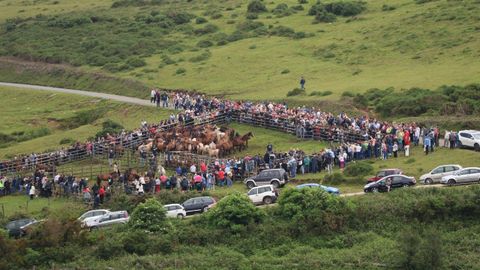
(476,136)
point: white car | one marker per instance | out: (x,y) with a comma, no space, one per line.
(263,194)
(435,176)
(470,139)
(175,211)
(465,175)
(91,215)
(109,219)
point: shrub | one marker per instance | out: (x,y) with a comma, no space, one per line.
(358,169)
(296,92)
(82,118)
(386,7)
(136,62)
(207,29)
(234,213)
(180,71)
(109,127)
(325,17)
(335,179)
(282,31)
(249,26)
(299,35)
(202,57)
(149,216)
(251,16)
(316,9)
(204,44)
(200,20)
(251,47)
(67,141)
(321,93)
(348,94)
(285,71)
(180,17)
(301,2)
(345,8)
(167,60)
(256,6)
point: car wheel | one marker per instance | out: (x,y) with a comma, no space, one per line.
(375,190)
(180,216)
(275,184)
(428,181)
(93,228)
(205,209)
(451,182)
(250,184)
(405,185)
(267,200)
(476,147)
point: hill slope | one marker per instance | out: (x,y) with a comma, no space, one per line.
(395,43)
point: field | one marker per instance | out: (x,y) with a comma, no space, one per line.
(53,117)
(254,59)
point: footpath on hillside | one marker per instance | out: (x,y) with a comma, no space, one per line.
(132,100)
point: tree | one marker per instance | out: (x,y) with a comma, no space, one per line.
(234,212)
(149,216)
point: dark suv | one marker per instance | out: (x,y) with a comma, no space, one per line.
(383,173)
(198,204)
(274,177)
(395,181)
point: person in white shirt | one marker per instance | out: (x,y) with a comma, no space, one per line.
(32,192)
(152,96)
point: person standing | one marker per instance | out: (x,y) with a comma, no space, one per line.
(395,150)
(32,191)
(302,83)
(152,96)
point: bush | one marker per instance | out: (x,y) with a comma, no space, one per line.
(386,7)
(136,62)
(296,92)
(282,31)
(234,213)
(256,6)
(301,2)
(204,44)
(358,169)
(200,20)
(180,71)
(321,94)
(109,127)
(335,179)
(249,26)
(82,118)
(285,71)
(345,8)
(207,29)
(325,17)
(251,16)
(316,9)
(202,57)
(348,94)
(67,141)
(149,216)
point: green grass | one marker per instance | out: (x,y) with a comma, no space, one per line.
(424,45)
(21,204)
(25,110)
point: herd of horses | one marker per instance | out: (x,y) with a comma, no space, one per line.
(204,140)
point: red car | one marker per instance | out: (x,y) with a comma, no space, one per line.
(383,173)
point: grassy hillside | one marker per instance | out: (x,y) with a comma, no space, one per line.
(396,43)
(45,119)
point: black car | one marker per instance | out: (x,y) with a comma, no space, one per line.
(198,204)
(274,177)
(394,181)
(18,228)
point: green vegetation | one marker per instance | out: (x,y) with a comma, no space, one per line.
(352,53)
(408,229)
(35,121)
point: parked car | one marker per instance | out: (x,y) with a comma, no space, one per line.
(19,227)
(263,194)
(382,173)
(465,175)
(198,204)
(435,176)
(274,177)
(397,180)
(469,139)
(175,210)
(331,190)
(109,219)
(91,215)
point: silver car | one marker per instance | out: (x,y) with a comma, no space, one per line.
(435,176)
(109,219)
(91,215)
(466,175)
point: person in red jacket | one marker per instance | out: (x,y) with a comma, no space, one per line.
(101,193)
(406,142)
(221,177)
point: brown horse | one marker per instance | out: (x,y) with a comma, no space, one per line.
(106,176)
(242,141)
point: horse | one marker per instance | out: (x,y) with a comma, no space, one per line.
(242,141)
